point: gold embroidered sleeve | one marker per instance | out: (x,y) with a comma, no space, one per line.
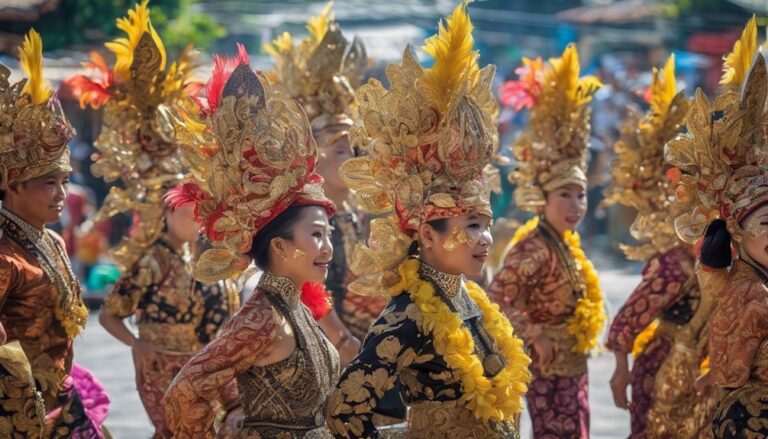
(391,346)
(248,335)
(124,298)
(8,275)
(525,268)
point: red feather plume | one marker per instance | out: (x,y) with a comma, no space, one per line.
(317,299)
(222,69)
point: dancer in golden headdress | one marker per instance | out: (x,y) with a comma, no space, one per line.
(454,355)
(41,308)
(547,286)
(258,198)
(175,315)
(721,183)
(321,72)
(662,322)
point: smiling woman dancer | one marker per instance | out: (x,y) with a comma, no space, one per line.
(547,286)
(257,198)
(451,351)
(722,193)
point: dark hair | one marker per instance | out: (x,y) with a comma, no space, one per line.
(2,194)
(280,227)
(716,248)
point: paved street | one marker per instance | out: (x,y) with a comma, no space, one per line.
(111,362)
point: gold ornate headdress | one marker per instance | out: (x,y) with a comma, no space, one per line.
(721,166)
(322,72)
(251,155)
(552,152)
(640,172)
(133,144)
(33,130)
(427,140)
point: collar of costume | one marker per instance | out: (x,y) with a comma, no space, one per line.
(431,165)
(281,286)
(135,145)
(33,129)
(552,151)
(251,156)
(321,72)
(639,173)
(721,165)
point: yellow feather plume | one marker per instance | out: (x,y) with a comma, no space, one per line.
(564,75)
(280,45)
(318,26)
(663,89)
(455,59)
(32,63)
(737,62)
(134,25)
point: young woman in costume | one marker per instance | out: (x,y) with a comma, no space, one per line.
(722,199)
(258,199)
(452,353)
(662,324)
(547,286)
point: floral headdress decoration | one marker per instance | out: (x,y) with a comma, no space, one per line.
(134,146)
(721,164)
(322,72)
(552,151)
(640,172)
(33,130)
(251,155)
(426,141)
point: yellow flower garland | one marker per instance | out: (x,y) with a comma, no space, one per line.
(490,399)
(589,316)
(643,338)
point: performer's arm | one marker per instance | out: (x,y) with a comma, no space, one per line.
(7,280)
(243,340)
(391,345)
(347,344)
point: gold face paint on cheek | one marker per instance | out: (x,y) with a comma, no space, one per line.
(298,253)
(459,237)
(754,229)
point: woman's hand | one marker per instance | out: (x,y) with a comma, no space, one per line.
(544,348)
(620,381)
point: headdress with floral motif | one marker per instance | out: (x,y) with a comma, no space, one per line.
(552,151)
(133,144)
(251,155)
(721,164)
(322,72)
(640,172)
(33,130)
(427,140)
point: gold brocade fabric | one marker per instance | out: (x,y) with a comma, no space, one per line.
(29,302)
(173,311)
(639,179)
(34,133)
(18,385)
(537,288)
(397,351)
(282,400)
(433,420)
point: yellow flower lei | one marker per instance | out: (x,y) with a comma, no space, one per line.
(643,338)
(589,316)
(490,399)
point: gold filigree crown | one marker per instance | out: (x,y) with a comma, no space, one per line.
(251,155)
(639,173)
(552,151)
(33,130)
(721,164)
(426,140)
(322,71)
(133,145)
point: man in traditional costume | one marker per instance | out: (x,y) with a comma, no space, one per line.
(41,306)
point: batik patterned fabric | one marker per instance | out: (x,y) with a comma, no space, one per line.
(400,351)
(173,312)
(739,329)
(281,400)
(35,310)
(535,289)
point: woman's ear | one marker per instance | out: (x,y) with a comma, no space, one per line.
(427,236)
(278,246)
